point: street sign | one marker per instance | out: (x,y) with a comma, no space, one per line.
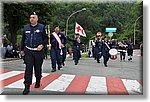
(111,29)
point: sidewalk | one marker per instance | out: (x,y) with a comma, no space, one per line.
(9,59)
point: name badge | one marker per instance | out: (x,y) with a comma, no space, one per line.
(27,32)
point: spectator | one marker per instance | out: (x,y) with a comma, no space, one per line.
(16,51)
(9,51)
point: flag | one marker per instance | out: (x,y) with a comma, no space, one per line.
(79,30)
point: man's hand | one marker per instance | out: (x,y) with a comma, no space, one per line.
(62,46)
(22,53)
(49,47)
(40,47)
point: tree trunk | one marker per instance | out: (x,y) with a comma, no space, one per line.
(12,29)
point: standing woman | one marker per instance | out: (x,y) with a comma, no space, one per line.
(106,46)
(76,48)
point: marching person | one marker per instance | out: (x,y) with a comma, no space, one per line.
(93,49)
(130,50)
(64,49)
(122,50)
(76,48)
(106,46)
(98,49)
(33,40)
(114,44)
(56,48)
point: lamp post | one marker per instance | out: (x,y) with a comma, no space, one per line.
(71,16)
(135,26)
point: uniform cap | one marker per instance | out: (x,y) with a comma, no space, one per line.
(33,13)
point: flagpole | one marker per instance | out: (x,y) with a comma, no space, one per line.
(71,16)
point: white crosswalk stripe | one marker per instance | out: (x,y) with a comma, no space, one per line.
(132,86)
(9,74)
(61,83)
(97,85)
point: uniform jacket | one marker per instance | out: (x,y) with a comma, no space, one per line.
(54,43)
(76,45)
(34,36)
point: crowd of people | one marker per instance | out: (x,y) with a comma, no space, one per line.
(8,50)
(103,45)
(36,41)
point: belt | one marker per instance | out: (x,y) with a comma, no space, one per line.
(121,50)
(33,49)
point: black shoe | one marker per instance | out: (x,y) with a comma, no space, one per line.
(105,65)
(26,90)
(63,63)
(76,63)
(53,70)
(59,67)
(98,62)
(37,85)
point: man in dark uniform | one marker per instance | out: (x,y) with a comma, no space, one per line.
(64,49)
(56,48)
(130,49)
(76,48)
(106,46)
(33,40)
(98,49)
(122,49)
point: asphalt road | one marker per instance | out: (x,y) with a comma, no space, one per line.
(86,67)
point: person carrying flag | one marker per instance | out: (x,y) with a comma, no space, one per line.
(76,48)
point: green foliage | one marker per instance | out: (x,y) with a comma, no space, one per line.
(96,18)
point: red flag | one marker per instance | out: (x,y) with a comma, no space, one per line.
(79,30)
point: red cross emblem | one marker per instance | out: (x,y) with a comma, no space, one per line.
(78,28)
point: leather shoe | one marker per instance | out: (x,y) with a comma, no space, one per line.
(53,70)
(37,85)
(26,90)
(105,65)
(59,67)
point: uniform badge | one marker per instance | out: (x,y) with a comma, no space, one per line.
(37,31)
(59,35)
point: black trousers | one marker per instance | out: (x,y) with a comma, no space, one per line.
(64,54)
(33,59)
(130,52)
(122,54)
(56,57)
(76,56)
(106,56)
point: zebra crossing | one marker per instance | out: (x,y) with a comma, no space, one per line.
(74,83)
